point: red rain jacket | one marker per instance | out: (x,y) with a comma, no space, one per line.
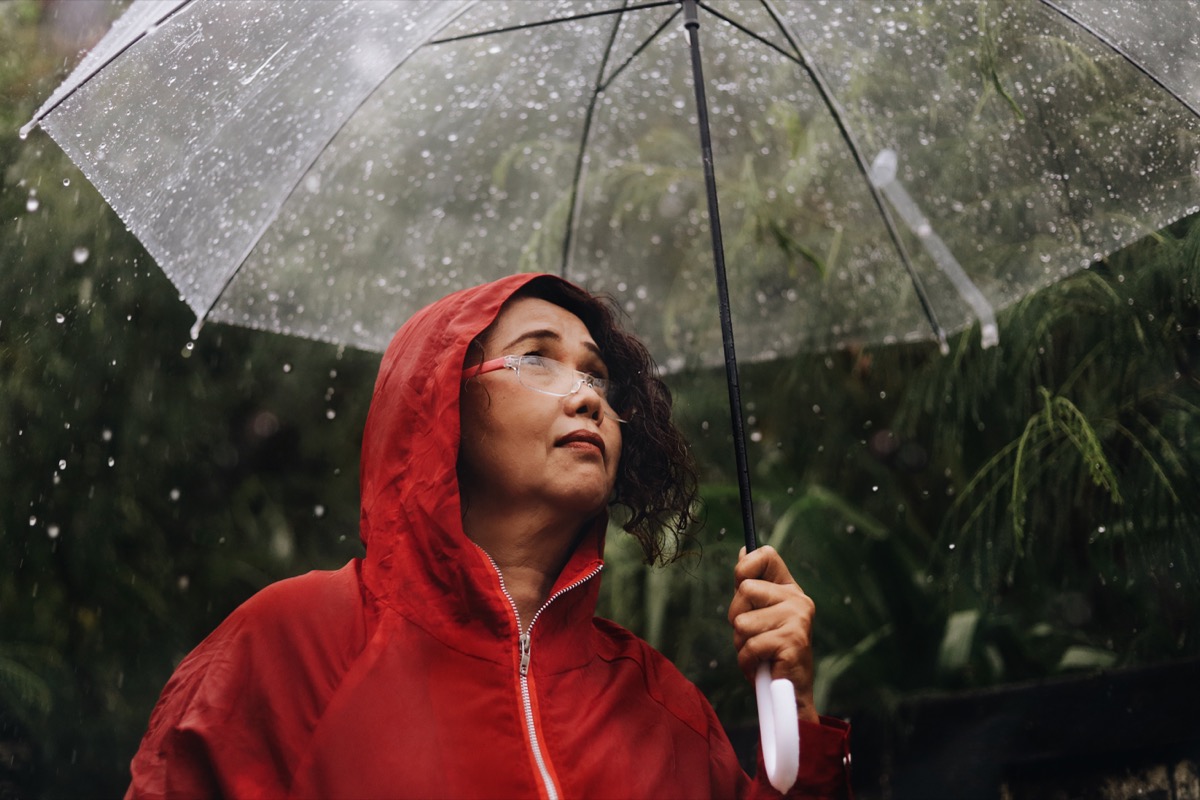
(399,675)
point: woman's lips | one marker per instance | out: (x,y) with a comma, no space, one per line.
(581,439)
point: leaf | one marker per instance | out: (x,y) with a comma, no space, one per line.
(1084,657)
(958,641)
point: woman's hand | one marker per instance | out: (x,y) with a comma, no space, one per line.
(772,622)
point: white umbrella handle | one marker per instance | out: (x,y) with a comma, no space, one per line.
(779,726)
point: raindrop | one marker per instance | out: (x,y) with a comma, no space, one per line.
(106,435)
(287,367)
(318,511)
(952,546)
(174,495)
(32,521)
(184,582)
(80,254)
(62,463)
(52,531)
(111,461)
(330,413)
(32,204)
(66,181)
(59,318)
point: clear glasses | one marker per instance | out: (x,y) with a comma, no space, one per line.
(550,377)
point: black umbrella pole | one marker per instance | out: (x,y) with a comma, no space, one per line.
(692,26)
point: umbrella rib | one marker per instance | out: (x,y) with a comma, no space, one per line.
(1121,51)
(602,84)
(640,49)
(573,208)
(45,111)
(753,34)
(831,104)
(269,219)
(557,21)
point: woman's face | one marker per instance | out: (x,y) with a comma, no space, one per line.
(521,446)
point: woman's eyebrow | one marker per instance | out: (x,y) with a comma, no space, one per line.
(551,336)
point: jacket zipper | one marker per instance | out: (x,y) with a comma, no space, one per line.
(525,648)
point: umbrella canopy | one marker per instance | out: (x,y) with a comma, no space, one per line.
(325,168)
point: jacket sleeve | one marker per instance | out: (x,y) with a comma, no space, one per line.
(188,749)
(824,761)
(824,772)
(237,714)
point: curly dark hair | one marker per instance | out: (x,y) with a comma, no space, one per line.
(656,486)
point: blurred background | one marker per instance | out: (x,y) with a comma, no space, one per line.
(1001,543)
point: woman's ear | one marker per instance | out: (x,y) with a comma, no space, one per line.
(474,354)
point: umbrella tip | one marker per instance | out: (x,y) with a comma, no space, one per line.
(943,345)
(989,336)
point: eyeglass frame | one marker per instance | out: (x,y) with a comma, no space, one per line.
(513,362)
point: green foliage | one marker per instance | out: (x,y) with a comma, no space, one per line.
(149,485)
(960,521)
(985,517)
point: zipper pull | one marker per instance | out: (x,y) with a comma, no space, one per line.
(525,644)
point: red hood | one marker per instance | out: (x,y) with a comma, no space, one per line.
(418,559)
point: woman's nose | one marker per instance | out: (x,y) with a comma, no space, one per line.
(586,400)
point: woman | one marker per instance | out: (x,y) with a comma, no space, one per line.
(460,657)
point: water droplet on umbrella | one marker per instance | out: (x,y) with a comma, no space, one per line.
(80,254)
(66,181)
(59,318)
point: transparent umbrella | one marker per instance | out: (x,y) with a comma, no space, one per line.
(888,171)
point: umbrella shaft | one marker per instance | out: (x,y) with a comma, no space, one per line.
(692,26)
